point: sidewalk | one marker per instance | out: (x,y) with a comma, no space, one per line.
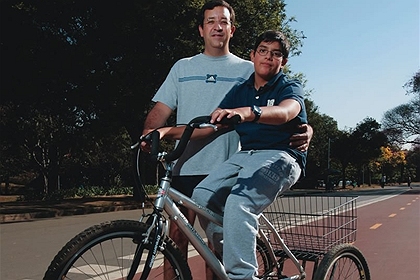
(18,211)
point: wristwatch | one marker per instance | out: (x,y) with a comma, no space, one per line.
(257,112)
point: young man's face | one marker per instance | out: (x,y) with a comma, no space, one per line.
(268,59)
(217,28)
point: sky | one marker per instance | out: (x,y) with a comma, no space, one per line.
(357,56)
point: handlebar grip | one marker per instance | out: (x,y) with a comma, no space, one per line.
(155,137)
(199,120)
(236,119)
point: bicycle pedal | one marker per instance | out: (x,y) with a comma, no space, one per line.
(270,276)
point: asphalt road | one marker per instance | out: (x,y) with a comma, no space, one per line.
(391,244)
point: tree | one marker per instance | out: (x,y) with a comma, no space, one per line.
(390,158)
(367,140)
(80,74)
(342,149)
(402,123)
(413,85)
(358,147)
(413,163)
(325,128)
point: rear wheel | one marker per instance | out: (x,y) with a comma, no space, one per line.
(106,251)
(343,262)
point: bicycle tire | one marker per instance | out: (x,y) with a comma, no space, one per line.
(264,260)
(105,251)
(343,262)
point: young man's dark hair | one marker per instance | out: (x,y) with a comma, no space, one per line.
(274,36)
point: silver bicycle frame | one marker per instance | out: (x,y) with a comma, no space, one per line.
(167,200)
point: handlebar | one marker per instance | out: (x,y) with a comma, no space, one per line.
(198,122)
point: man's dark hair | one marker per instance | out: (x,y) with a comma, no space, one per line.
(274,36)
(211,5)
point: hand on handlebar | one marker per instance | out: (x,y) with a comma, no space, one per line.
(150,141)
(219,114)
(145,139)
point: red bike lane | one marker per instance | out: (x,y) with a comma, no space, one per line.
(389,237)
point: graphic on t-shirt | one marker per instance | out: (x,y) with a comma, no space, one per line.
(211,78)
(270,102)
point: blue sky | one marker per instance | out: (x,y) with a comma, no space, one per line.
(358,54)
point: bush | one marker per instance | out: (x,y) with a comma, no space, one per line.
(82,192)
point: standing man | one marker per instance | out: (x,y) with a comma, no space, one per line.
(194,87)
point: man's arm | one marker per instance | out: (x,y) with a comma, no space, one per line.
(157,117)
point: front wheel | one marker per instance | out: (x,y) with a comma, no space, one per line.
(106,251)
(344,262)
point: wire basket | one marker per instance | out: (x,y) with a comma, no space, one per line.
(314,224)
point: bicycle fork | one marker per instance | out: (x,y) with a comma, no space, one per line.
(152,239)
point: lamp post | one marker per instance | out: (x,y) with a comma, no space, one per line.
(328,185)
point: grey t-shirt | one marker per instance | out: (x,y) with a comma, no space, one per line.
(195,86)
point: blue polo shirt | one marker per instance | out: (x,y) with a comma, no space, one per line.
(257,136)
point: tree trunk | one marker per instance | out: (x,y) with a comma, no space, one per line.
(6,184)
(344,177)
(53,170)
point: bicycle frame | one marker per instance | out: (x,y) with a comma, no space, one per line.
(167,200)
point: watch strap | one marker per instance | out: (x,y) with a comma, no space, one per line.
(257,112)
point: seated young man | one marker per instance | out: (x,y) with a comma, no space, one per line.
(271,107)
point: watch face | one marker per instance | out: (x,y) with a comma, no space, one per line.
(256,110)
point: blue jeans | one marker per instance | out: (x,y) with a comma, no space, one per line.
(240,189)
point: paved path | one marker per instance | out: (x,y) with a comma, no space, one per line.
(28,211)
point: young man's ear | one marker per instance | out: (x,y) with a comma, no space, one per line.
(284,61)
(252,55)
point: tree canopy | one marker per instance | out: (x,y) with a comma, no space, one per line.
(78,76)
(402,123)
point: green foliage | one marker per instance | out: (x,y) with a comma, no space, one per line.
(82,192)
(325,128)
(413,164)
(78,77)
(355,149)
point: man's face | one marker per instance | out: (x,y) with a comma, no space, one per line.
(217,28)
(268,59)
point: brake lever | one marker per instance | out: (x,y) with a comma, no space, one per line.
(146,138)
(204,125)
(135,145)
